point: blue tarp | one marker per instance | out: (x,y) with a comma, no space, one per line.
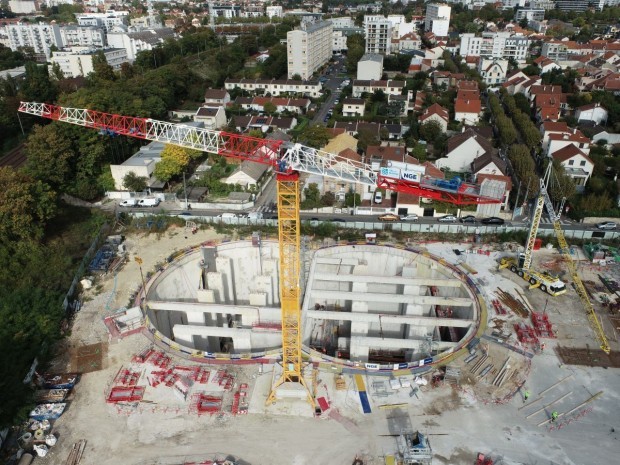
(364,401)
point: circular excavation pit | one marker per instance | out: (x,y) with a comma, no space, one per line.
(385,307)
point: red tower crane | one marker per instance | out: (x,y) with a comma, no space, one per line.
(288,160)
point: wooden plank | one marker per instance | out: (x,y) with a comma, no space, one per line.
(549,405)
(554,385)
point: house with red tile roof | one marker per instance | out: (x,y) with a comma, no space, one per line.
(573,137)
(467,110)
(436,113)
(577,164)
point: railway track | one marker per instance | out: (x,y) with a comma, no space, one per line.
(15,158)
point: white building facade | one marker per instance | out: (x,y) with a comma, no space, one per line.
(437,19)
(495,45)
(378,33)
(79,61)
(40,37)
(83,36)
(309,48)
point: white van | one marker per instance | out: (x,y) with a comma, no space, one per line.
(227,215)
(378,197)
(149,202)
(255,216)
(128,203)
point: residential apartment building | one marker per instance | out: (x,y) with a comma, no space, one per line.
(274,11)
(107,20)
(136,42)
(83,36)
(555,50)
(79,60)
(342,22)
(275,87)
(496,45)
(378,33)
(530,14)
(40,37)
(370,67)
(437,19)
(308,48)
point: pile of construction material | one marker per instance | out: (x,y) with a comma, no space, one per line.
(519,307)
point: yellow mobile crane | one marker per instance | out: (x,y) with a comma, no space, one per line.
(545,281)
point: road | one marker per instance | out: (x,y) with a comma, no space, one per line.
(333,84)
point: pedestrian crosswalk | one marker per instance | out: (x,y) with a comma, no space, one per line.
(548,221)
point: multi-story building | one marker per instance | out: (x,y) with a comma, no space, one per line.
(378,33)
(107,20)
(275,87)
(530,14)
(578,5)
(40,37)
(387,87)
(555,50)
(224,11)
(370,67)
(23,7)
(79,60)
(136,42)
(496,45)
(308,48)
(83,36)
(437,19)
(343,22)
(544,4)
(274,11)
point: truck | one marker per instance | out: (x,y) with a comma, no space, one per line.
(548,283)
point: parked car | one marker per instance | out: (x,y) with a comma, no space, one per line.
(447,219)
(492,220)
(378,197)
(409,217)
(314,222)
(149,202)
(389,217)
(468,219)
(128,203)
(606,225)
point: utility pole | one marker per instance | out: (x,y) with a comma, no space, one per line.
(514,210)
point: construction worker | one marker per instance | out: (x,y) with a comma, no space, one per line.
(526,396)
(554,416)
(542,346)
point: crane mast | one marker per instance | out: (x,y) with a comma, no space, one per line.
(543,200)
(288,161)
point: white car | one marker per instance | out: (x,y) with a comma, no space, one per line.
(447,219)
(606,225)
(410,217)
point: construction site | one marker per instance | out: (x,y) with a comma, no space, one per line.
(203,348)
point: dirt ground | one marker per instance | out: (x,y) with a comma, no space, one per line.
(461,420)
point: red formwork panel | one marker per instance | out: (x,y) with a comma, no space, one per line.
(125,394)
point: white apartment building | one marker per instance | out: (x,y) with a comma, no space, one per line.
(339,41)
(495,44)
(40,37)
(531,14)
(104,20)
(274,11)
(136,42)
(437,19)
(554,50)
(83,36)
(23,7)
(378,33)
(343,22)
(79,60)
(275,87)
(309,48)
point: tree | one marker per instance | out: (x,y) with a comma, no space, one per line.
(37,86)
(315,136)
(57,72)
(101,68)
(430,131)
(352,199)
(49,156)
(296,77)
(419,152)
(378,96)
(166,169)
(269,108)
(179,155)
(355,51)
(328,199)
(26,205)
(312,196)
(367,138)
(134,183)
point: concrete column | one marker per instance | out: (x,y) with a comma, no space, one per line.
(196,318)
(359,328)
(183,338)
